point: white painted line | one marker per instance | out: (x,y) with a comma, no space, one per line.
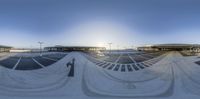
(131,58)
(17,63)
(38,63)
(144,57)
(49,58)
(118,58)
(148,54)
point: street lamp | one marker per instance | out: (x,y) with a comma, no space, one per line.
(110,44)
(118,48)
(40,47)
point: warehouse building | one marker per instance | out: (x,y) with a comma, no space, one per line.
(171,47)
(5,48)
(74,48)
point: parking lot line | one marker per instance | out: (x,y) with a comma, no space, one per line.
(148,54)
(111,67)
(144,56)
(38,63)
(17,63)
(118,58)
(49,58)
(131,58)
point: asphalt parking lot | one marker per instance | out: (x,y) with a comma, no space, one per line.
(30,63)
(126,62)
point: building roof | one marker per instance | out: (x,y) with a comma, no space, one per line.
(174,46)
(59,46)
(3,46)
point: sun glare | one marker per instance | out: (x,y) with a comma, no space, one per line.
(101,44)
(100,32)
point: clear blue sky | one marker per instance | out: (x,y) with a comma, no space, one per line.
(96,22)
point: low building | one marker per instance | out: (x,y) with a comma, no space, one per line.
(74,48)
(171,47)
(147,48)
(5,48)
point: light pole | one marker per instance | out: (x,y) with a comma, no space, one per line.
(110,44)
(31,49)
(118,49)
(40,47)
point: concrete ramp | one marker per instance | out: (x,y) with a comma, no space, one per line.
(35,82)
(154,81)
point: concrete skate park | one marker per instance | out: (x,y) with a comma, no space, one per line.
(168,71)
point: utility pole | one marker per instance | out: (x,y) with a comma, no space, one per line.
(40,43)
(110,45)
(118,48)
(31,49)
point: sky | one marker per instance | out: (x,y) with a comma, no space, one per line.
(124,23)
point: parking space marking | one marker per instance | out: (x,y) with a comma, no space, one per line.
(144,56)
(138,61)
(17,63)
(38,63)
(118,58)
(148,54)
(50,59)
(131,58)
(111,67)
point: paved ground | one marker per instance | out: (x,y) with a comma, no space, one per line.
(30,62)
(181,87)
(181,71)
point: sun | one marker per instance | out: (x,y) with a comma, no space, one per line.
(100,33)
(100,44)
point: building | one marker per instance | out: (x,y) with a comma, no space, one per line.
(5,48)
(74,48)
(171,47)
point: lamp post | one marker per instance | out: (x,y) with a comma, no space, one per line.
(118,49)
(110,45)
(40,43)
